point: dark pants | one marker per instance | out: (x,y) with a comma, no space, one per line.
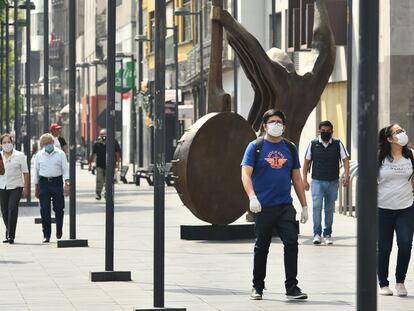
(51,191)
(402,222)
(283,218)
(9,200)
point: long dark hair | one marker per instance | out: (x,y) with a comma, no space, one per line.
(385,146)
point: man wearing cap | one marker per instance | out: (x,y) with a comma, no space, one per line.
(59,141)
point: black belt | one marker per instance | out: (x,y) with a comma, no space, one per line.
(51,179)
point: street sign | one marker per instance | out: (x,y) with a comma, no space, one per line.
(125,77)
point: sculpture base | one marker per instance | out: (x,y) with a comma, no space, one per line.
(72,243)
(28,204)
(110,276)
(165,309)
(38,220)
(220,232)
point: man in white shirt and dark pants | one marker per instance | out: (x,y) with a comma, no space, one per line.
(51,170)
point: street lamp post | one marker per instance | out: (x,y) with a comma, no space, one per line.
(16,80)
(73,242)
(7,89)
(199,14)
(46,120)
(88,108)
(95,63)
(27,5)
(1,75)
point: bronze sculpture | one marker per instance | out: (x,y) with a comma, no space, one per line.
(207,160)
(274,79)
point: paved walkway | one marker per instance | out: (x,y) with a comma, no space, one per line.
(200,275)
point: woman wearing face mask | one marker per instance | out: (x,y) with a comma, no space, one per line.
(395,205)
(12,186)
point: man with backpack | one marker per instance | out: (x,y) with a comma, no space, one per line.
(269,166)
(325,153)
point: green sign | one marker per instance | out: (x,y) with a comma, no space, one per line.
(124,78)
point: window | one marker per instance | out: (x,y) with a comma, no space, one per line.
(151,32)
(278,35)
(118,2)
(186,35)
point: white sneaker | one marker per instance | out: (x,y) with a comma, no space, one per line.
(401,290)
(386,291)
(328,240)
(317,239)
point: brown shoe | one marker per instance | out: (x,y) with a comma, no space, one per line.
(59,234)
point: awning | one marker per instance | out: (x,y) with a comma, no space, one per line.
(65,109)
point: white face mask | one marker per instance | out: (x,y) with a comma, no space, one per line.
(275,129)
(402,139)
(7,147)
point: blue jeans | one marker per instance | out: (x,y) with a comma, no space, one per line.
(402,222)
(323,193)
(51,192)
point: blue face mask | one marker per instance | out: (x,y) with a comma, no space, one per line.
(49,148)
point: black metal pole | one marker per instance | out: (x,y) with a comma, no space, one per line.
(122,109)
(110,143)
(16,80)
(367,155)
(72,118)
(7,88)
(2,77)
(201,109)
(159,153)
(28,95)
(140,75)
(88,115)
(273,23)
(96,100)
(46,65)
(177,120)
(349,59)
(235,63)
(133,120)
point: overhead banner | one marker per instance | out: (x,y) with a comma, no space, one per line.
(124,78)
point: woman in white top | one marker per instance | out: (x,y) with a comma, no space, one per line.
(11,185)
(395,205)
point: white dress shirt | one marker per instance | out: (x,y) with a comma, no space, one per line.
(51,165)
(14,167)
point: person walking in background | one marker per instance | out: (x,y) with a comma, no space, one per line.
(325,154)
(269,166)
(14,185)
(99,154)
(58,140)
(395,205)
(51,171)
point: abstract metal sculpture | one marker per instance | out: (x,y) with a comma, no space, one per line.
(207,159)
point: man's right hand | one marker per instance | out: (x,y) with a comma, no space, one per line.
(255,206)
(37,191)
(306,185)
(90,167)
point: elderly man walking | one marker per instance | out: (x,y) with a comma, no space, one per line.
(51,170)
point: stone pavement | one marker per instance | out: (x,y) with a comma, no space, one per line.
(200,275)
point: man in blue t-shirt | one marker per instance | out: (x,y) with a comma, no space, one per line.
(267,180)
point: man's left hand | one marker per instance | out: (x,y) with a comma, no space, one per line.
(66,190)
(25,192)
(304,215)
(345,180)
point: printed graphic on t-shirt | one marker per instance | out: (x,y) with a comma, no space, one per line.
(276,159)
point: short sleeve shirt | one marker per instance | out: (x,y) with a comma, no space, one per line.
(100,150)
(14,167)
(272,173)
(394,186)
